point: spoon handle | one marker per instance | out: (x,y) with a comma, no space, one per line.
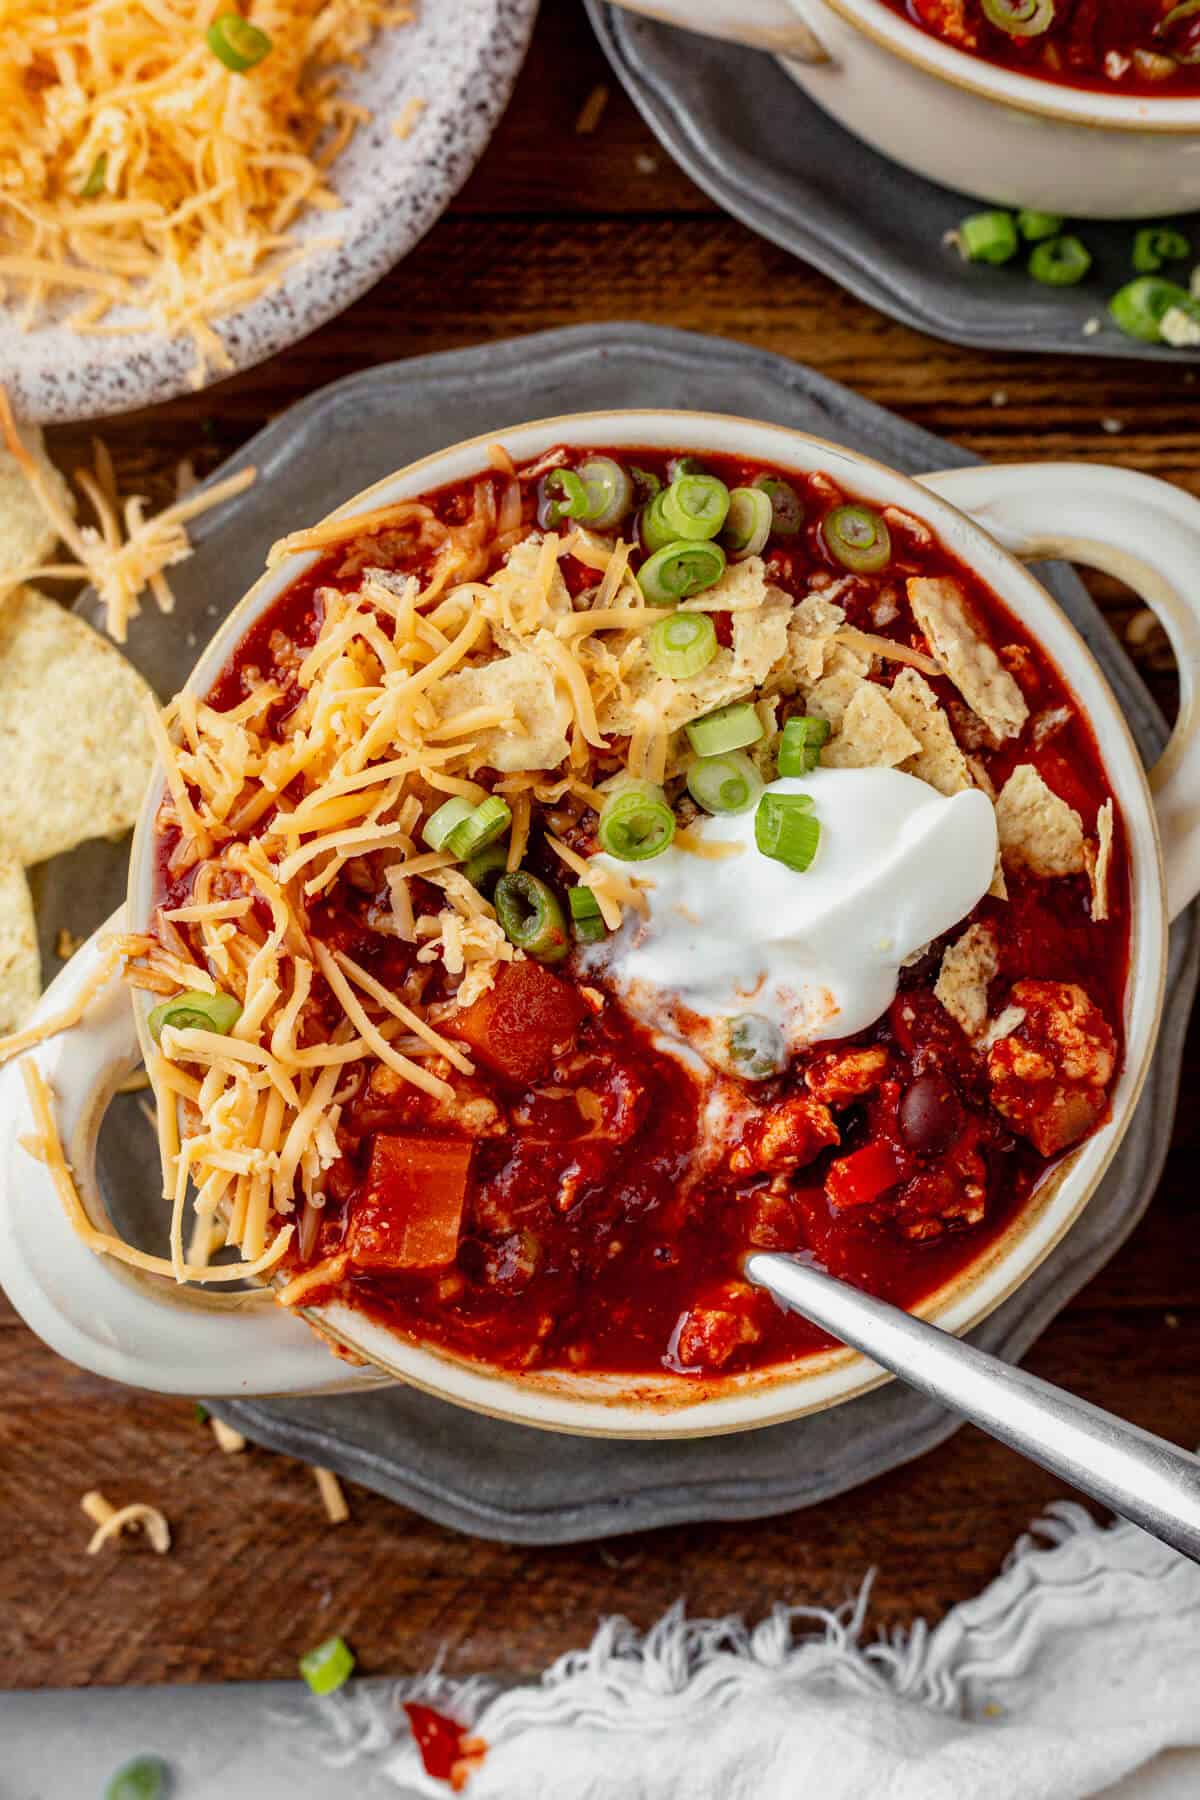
(1144,1478)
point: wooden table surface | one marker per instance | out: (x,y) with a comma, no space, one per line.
(557,228)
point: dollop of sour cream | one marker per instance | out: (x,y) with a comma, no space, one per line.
(749,961)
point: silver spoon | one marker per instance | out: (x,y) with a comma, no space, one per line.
(1144,1478)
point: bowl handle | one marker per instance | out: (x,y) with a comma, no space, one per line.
(137,1328)
(763,24)
(1146,533)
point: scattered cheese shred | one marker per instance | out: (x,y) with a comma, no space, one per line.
(110,1521)
(229,1441)
(332,1497)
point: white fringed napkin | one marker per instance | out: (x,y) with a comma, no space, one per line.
(1077,1667)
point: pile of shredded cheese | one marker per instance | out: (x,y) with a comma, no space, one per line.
(143,183)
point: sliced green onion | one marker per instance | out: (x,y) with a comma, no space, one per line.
(1060,261)
(531,917)
(200,1413)
(489,821)
(786,828)
(694,506)
(731,727)
(635,822)
(609,491)
(329,1666)
(485,868)
(756,1047)
(1020,18)
(587,921)
(748,523)
(682,645)
(94,184)
(800,745)
(679,570)
(684,465)
(653,529)
(448,817)
(645,483)
(238,44)
(787,508)
(724,784)
(561,495)
(1139,308)
(989,237)
(195,1012)
(1155,245)
(1035,227)
(145,1778)
(858,538)
(1184,51)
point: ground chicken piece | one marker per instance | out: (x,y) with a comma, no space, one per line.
(1049,1078)
(949,19)
(708,1335)
(785,1136)
(469,1111)
(948,1197)
(836,1077)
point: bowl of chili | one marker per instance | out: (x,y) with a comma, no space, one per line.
(1083,108)
(531,921)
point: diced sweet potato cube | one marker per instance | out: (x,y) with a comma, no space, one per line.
(523,1021)
(410,1211)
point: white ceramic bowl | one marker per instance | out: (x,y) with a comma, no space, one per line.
(148,1332)
(1008,138)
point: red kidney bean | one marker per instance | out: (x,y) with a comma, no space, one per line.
(929,1114)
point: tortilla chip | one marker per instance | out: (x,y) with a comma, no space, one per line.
(871,734)
(519,584)
(811,630)
(20,965)
(75,747)
(742,587)
(845,673)
(940,609)
(759,642)
(1037,828)
(26,537)
(1099,861)
(939,761)
(523,686)
(962,984)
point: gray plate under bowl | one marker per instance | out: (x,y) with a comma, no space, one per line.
(508,1481)
(758,146)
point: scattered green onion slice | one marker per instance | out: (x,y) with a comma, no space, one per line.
(238,44)
(195,1012)
(439,825)
(609,491)
(1035,227)
(94,184)
(145,1778)
(328,1666)
(756,1047)
(989,237)
(561,495)
(694,506)
(1155,245)
(653,529)
(858,538)
(1060,261)
(531,917)
(684,465)
(485,868)
(1139,308)
(646,484)
(787,508)
(731,727)
(682,645)
(635,822)
(786,828)
(748,523)
(724,784)
(679,570)
(489,821)
(200,1413)
(800,745)
(1020,18)
(587,921)
(1176,16)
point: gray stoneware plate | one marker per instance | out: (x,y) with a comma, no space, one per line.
(461,59)
(757,145)
(459,1468)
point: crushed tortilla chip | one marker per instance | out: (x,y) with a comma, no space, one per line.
(940,609)
(26,535)
(939,760)
(536,710)
(20,965)
(1038,830)
(871,734)
(1098,857)
(75,746)
(962,984)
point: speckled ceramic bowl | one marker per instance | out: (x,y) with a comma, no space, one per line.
(461,57)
